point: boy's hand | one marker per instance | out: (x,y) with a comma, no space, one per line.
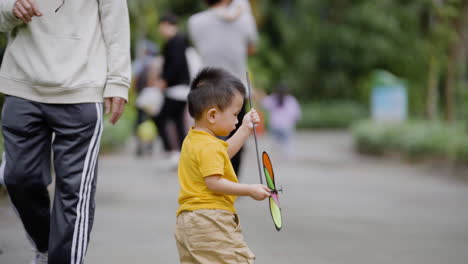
(259,192)
(250,119)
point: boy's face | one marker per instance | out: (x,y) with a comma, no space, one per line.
(225,121)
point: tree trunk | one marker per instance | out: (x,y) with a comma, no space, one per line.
(449,82)
(456,51)
(432,96)
(432,92)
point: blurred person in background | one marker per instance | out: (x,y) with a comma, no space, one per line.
(225,41)
(64,59)
(146,73)
(284,112)
(175,83)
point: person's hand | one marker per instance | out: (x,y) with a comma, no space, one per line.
(250,119)
(259,192)
(116,105)
(25,10)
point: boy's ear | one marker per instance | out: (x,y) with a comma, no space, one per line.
(211,115)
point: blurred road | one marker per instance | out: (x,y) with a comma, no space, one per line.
(338,208)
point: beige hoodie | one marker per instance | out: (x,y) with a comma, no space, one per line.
(79,54)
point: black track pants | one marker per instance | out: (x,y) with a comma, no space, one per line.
(27,130)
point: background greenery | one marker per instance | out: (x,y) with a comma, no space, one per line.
(415,140)
(327,50)
(334,114)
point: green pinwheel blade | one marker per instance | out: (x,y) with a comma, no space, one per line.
(275,211)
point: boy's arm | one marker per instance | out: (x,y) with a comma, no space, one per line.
(244,131)
(218,184)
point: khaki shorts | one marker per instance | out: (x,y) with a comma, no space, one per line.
(211,236)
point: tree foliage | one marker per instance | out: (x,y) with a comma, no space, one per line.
(327,49)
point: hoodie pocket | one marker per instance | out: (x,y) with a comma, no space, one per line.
(47,60)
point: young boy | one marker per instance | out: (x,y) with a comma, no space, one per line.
(207,228)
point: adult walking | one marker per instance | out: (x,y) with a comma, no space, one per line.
(176,79)
(224,42)
(61,63)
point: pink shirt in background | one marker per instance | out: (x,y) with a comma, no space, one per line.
(285,116)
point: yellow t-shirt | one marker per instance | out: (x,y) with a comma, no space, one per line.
(203,155)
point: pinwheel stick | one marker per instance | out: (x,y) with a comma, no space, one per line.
(254,128)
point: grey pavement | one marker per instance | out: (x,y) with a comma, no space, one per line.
(338,207)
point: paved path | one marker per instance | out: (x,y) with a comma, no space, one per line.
(339,208)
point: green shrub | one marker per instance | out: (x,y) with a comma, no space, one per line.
(462,152)
(413,139)
(339,114)
(369,138)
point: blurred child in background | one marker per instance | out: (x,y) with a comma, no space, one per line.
(284,112)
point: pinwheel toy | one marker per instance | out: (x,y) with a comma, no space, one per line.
(275,208)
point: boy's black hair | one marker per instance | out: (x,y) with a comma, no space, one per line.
(170,18)
(212,87)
